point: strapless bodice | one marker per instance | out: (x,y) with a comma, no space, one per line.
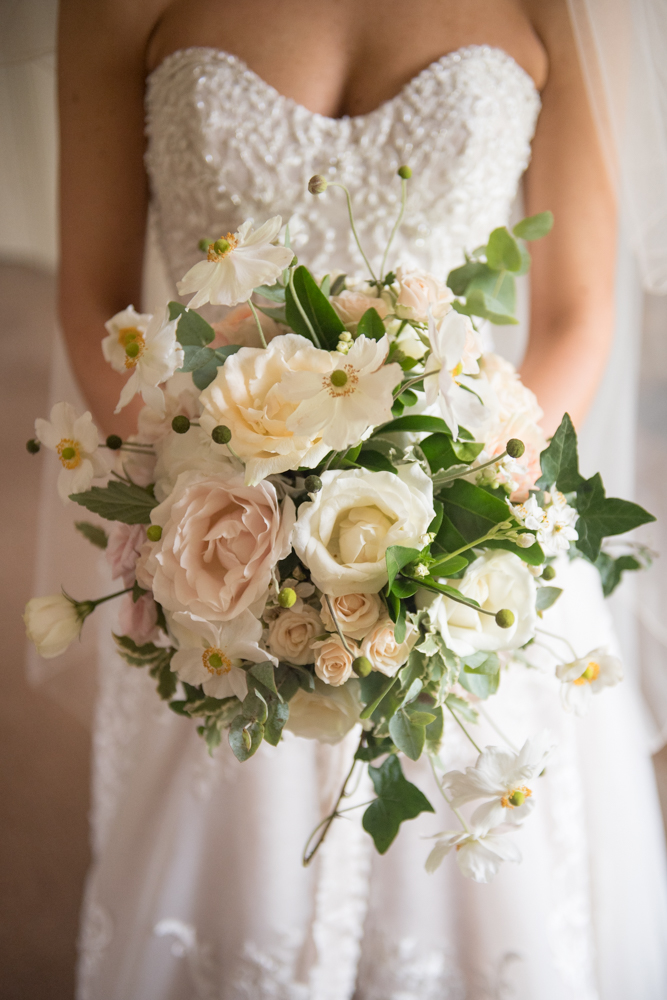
(224,146)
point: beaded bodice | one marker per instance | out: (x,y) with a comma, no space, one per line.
(224,146)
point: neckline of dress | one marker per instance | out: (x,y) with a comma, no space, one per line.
(456,55)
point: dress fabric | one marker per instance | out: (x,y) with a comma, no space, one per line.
(197,890)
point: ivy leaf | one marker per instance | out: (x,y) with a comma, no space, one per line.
(611,570)
(192,329)
(560,461)
(502,251)
(546,596)
(371,326)
(408,735)
(96,535)
(118,501)
(601,516)
(534,227)
(323,317)
(397,800)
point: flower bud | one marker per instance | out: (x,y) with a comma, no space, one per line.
(317,184)
(154,533)
(515,448)
(505,618)
(345,336)
(548,573)
(287,597)
(221,434)
(405,172)
(33,446)
(524,540)
(362,666)
(204,245)
(114,442)
(180,424)
(313,484)
(342,347)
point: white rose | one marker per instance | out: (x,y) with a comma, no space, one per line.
(52,623)
(291,635)
(326,715)
(355,613)
(351,306)
(343,534)
(195,451)
(246,397)
(381,648)
(496,580)
(417,291)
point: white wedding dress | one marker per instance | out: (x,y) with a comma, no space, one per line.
(197,891)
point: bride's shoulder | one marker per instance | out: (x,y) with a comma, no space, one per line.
(112,30)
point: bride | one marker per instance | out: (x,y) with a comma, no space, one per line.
(211,112)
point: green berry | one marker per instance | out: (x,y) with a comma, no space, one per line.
(362,666)
(505,618)
(114,442)
(313,484)
(405,172)
(548,573)
(33,446)
(287,597)
(180,424)
(515,448)
(154,533)
(221,434)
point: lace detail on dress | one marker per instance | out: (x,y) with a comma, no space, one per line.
(224,146)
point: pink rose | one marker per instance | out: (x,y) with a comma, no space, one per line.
(351,306)
(138,619)
(417,291)
(123,549)
(220,541)
(239,327)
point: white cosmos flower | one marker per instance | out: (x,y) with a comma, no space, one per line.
(236,265)
(344,395)
(500,776)
(152,355)
(75,440)
(455,348)
(210,652)
(480,851)
(583,678)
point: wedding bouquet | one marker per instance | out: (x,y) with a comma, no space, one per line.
(339,513)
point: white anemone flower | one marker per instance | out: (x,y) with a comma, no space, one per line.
(153,357)
(236,265)
(126,327)
(210,653)
(345,394)
(455,348)
(480,851)
(583,678)
(500,777)
(75,440)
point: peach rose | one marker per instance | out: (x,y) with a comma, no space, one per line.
(355,613)
(417,291)
(351,306)
(333,663)
(383,651)
(239,327)
(291,635)
(220,541)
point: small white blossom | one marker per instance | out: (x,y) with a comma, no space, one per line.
(152,354)
(480,851)
(455,348)
(553,526)
(344,395)
(500,777)
(76,441)
(583,678)
(236,265)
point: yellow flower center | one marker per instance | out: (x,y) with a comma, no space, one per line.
(221,248)
(457,371)
(69,453)
(216,662)
(133,341)
(516,797)
(341,381)
(590,674)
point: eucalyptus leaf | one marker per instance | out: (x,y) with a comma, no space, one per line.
(459,279)
(192,329)
(264,673)
(275,723)
(245,737)
(254,706)
(546,596)
(534,227)
(502,251)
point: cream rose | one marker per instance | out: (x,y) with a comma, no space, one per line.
(351,306)
(220,541)
(355,613)
(495,580)
(381,648)
(52,623)
(246,397)
(417,291)
(343,534)
(333,662)
(291,635)
(326,715)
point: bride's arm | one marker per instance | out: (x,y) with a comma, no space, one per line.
(572,281)
(103,195)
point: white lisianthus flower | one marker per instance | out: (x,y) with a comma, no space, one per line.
(210,653)
(583,678)
(553,526)
(479,851)
(150,351)
(356,614)
(246,396)
(455,348)
(342,535)
(417,292)
(53,623)
(327,714)
(500,776)
(496,580)
(236,265)
(344,394)
(381,648)
(291,634)
(333,662)
(75,440)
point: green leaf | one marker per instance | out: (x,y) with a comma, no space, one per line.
(96,535)
(413,692)
(396,557)
(370,325)
(398,800)
(324,319)
(305,678)
(533,555)
(472,510)
(137,592)
(118,501)
(462,708)
(498,286)
(139,656)
(374,748)
(502,251)
(407,734)
(166,679)
(478,303)
(601,516)
(265,674)
(254,706)
(435,730)
(192,330)
(414,422)
(338,285)
(403,588)
(546,596)
(275,723)
(212,733)
(560,461)
(245,736)
(375,461)
(400,627)
(459,279)
(274,293)
(534,227)
(611,570)
(450,568)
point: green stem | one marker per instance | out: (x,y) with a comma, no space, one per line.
(464,548)
(456,812)
(304,315)
(353,227)
(259,325)
(336,625)
(404,193)
(308,856)
(409,383)
(109,597)
(482,711)
(456,719)
(441,480)
(561,638)
(384,690)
